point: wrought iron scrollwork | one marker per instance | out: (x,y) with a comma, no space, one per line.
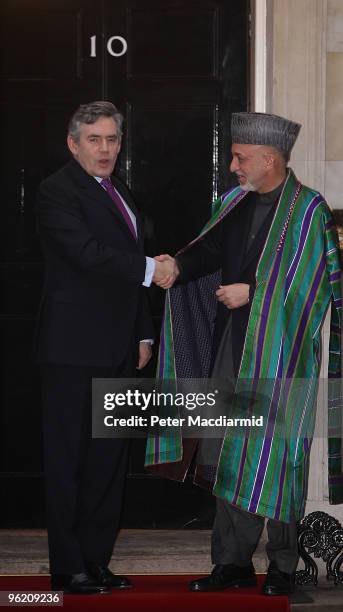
(320,535)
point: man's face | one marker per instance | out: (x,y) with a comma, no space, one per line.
(250,164)
(98,147)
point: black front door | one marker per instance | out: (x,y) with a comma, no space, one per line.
(176,69)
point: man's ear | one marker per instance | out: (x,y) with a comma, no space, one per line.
(270,160)
(72,145)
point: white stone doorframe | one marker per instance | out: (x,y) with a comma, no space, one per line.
(259,55)
(288,78)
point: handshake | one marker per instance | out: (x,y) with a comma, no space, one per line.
(166,271)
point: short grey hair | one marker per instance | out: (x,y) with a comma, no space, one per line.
(90,113)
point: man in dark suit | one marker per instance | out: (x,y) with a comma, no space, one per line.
(93,322)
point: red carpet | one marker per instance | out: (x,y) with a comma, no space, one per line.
(154,594)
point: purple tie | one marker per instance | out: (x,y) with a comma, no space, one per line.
(119,204)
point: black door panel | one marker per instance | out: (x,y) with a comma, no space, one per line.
(184,72)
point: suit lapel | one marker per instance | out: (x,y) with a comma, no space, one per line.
(93,190)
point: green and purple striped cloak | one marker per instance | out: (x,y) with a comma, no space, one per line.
(297,277)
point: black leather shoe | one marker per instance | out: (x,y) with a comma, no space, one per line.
(105,577)
(225,576)
(78,584)
(278,582)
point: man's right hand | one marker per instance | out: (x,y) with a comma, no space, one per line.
(166,271)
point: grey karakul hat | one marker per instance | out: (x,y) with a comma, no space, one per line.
(264,129)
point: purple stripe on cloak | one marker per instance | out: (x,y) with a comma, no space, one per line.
(263,325)
(304,230)
(260,340)
(240,195)
(281,481)
(304,318)
(267,439)
(236,200)
(264,313)
(335,276)
(224,195)
(244,452)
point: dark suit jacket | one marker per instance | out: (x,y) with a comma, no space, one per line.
(93,305)
(225,247)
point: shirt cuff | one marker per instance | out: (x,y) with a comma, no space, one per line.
(149,271)
(148,341)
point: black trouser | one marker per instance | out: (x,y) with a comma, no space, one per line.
(84,477)
(236,534)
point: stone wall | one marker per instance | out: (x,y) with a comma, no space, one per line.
(299,52)
(334,104)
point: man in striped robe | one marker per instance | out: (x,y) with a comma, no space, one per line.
(265,269)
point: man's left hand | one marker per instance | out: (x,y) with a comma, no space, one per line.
(145,352)
(233,296)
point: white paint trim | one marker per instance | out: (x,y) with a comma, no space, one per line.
(260,55)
